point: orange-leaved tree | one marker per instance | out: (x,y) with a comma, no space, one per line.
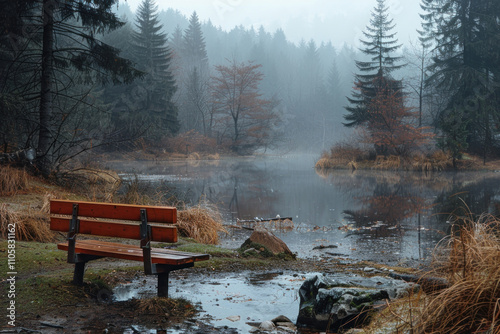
(392,127)
(242,115)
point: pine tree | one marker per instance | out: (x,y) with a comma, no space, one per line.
(151,100)
(465,68)
(380,45)
(195,53)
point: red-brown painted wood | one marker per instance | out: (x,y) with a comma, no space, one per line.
(159,214)
(129,230)
(132,252)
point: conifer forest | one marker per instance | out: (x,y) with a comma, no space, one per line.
(80,75)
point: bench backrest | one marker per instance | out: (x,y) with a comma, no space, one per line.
(95,218)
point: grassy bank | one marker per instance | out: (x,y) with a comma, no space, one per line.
(352,157)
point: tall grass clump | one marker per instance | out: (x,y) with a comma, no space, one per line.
(470,261)
(435,161)
(12,180)
(30,225)
(342,155)
(202,223)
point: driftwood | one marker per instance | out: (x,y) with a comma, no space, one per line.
(240,227)
(258,220)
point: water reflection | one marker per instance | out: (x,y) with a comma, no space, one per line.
(373,215)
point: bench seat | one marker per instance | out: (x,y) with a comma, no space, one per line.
(133,252)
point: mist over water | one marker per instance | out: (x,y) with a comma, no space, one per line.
(381,216)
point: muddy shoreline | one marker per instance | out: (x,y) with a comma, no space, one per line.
(92,315)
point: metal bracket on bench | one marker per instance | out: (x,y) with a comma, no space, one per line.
(146,243)
(74,229)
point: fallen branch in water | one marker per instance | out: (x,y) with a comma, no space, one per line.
(240,227)
(258,220)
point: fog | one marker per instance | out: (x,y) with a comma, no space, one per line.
(338,21)
(306,50)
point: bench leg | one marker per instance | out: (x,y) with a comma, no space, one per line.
(78,274)
(163,284)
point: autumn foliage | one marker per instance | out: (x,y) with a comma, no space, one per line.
(391,125)
(242,116)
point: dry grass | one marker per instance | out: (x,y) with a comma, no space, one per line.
(190,141)
(342,155)
(202,223)
(166,307)
(30,225)
(470,261)
(194,156)
(13,180)
(391,162)
(437,161)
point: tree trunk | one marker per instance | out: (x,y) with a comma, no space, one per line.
(44,161)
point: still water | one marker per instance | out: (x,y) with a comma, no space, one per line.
(384,216)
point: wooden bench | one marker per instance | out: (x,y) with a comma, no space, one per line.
(139,222)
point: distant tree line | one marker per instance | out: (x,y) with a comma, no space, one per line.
(78,75)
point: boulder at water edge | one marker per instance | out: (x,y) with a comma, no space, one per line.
(264,238)
(344,302)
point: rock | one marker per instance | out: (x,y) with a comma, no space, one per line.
(281,318)
(263,237)
(234,318)
(345,302)
(267,325)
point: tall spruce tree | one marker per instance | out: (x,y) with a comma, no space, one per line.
(195,76)
(150,102)
(465,68)
(195,52)
(379,45)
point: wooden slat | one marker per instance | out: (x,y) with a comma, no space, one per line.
(160,214)
(132,252)
(161,233)
(198,257)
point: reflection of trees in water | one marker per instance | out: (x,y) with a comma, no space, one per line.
(251,194)
(469,197)
(383,212)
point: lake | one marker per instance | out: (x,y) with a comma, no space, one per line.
(383,216)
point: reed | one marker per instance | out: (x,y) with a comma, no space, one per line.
(437,161)
(28,225)
(12,180)
(391,162)
(342,155)
(202,223)
(469,260)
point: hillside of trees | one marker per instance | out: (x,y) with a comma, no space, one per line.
(79,76)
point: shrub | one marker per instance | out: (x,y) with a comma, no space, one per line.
(189,142)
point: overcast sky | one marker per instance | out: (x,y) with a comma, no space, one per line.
(337,21)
